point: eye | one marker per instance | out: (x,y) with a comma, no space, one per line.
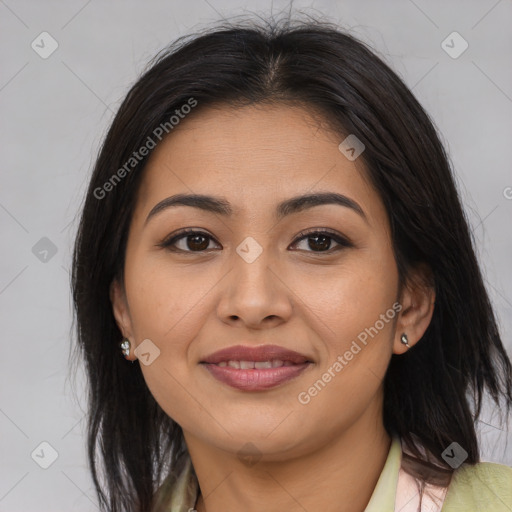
(320,240)
(190,239)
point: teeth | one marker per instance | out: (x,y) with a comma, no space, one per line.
(263,364)
(258,365)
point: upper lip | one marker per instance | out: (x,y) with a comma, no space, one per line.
(260,353)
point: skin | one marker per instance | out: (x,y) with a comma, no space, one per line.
(316,303)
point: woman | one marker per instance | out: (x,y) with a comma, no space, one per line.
(272,229)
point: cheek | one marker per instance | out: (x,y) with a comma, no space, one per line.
(164,301)
(347,299)
(354,317)
(358,349)
(164,308)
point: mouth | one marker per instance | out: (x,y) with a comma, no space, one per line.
(255,368)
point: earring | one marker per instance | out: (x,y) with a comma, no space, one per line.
(125,347)
(404,340)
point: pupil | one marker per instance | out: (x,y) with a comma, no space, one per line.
(322,246)
(200,246)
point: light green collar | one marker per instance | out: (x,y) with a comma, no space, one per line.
(384,494)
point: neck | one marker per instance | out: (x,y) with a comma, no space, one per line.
(338,476)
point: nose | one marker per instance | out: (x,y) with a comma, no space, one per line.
(255,294)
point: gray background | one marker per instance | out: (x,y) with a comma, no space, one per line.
(55,112)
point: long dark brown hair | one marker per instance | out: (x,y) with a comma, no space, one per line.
(433,393)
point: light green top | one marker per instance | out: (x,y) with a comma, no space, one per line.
(483,487)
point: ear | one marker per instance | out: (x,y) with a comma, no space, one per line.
(417,300)
(122,313)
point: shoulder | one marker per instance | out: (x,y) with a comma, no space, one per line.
(481,487)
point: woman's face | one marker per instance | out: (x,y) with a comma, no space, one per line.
(250,278)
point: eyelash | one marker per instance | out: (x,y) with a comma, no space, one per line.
(343,242)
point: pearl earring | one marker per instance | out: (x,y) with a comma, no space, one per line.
(125,347)
(404,340)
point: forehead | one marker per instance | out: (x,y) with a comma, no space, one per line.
(254,155)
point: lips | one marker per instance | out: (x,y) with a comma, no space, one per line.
(255,368)
(256,354)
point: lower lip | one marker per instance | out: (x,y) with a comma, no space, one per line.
(255,379)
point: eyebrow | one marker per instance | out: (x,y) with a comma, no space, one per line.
(290,206)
